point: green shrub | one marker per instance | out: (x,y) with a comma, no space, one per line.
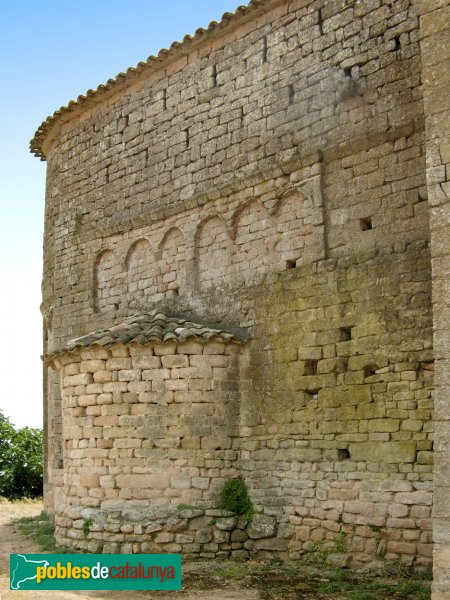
(87,523)
(235,498)
(21,468)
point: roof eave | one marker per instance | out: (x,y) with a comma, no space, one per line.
(46,132)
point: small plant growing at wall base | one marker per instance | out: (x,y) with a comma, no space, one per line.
(87,523)
(235,498)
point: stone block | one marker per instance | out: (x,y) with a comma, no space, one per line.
(425,458)
(358,394)
(213,348)
(118,351)
(412,425)
(139,481)
(383,425)
(104,399)
(188,396)
(204,360)
(191,373)
(203,536)
(190,513)
(145,361)
(102,376)
(80,379)
(215,443)
(261,526)
(155,374)
(416,497)
(165,349)
(72,369)
(401,548)
(91,366)
(180,483)
(190,347)
(130,375)
(386,452)
(398,510)
(117,364)
(202,483)
(277,544)
(331,397)
(90,480)
(304,454)
(226,523)
(339,560)
(238,536)
(285,531)
(87,400)
(94,352)
(107,481)
(373,410)
(175,360)
(150,548)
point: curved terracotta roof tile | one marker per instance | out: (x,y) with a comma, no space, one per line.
(163,55)
(155,326)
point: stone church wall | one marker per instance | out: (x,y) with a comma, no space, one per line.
(272,178)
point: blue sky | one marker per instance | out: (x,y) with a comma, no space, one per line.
(50,52)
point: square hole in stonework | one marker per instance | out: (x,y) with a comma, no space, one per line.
(345,334)
(370,370)
(310,367)
(342,365)
(366,224)
(421,197)
(291,264)
(343,454)
(312,393)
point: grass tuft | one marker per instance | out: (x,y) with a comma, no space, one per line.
(41,531)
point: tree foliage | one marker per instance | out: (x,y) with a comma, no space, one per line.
(21,461)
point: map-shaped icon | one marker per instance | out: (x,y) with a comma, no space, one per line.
(24,570)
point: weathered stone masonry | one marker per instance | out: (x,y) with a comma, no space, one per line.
(272,173)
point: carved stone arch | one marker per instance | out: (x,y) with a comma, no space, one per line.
(139,244)
(141,272)
(107,271)
(204,222)
(171,263)
(243,210)
(213,251)
(166,241)
(294,227)
(297,198)
(254,233)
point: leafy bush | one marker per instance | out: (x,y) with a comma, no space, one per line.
(21,469)
(235,498)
